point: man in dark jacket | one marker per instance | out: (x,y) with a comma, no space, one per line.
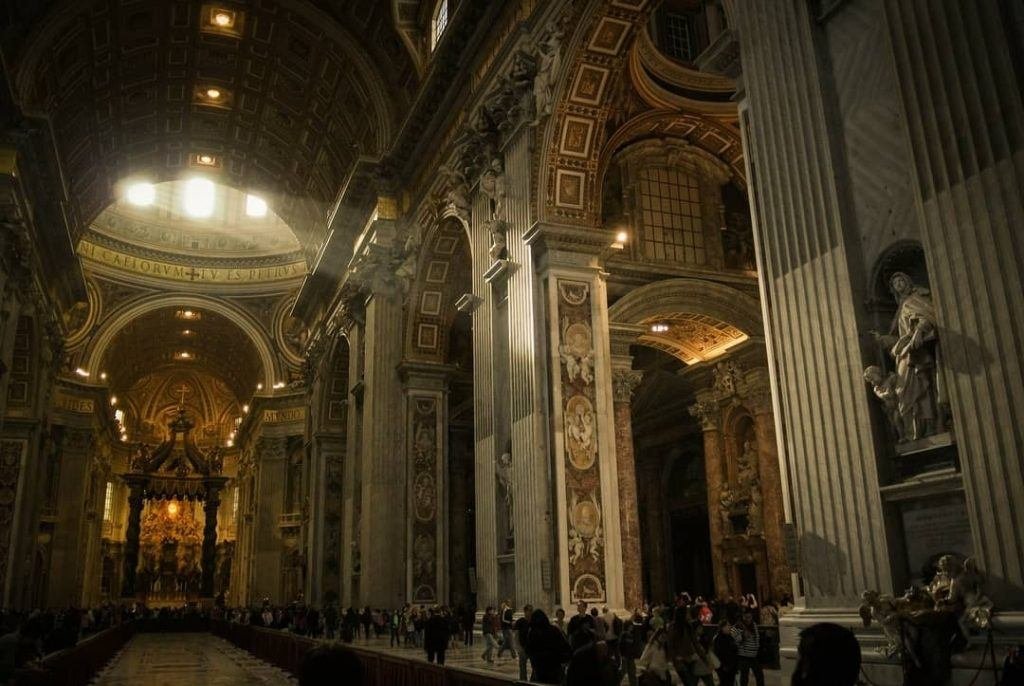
(725,649)
(435,636)
(547,648)
(521,626)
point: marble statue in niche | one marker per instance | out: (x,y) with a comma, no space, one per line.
(503,473)
(549,64)
(911,343)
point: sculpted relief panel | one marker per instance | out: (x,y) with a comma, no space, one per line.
(583,496)
(423,499)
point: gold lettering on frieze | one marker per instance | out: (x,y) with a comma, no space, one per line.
(289,414)
(177,272)
(69,403)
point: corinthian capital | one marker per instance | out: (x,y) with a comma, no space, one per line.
(624,382)
(708,412)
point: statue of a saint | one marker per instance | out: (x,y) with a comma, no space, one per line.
(503,471)
(911,342)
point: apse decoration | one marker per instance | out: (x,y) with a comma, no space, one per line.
(586,545)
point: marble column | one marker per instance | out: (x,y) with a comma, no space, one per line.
(209,551)
(383,551)
(655,509)
(709,413)
(131,534)
(69,546)
(962,103)
(772,511)
(352,490)
(267,547)
(811,276)
(624,382)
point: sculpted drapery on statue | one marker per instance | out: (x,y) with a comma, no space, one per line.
(909,393)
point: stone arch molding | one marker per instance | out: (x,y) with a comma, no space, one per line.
(246,324)
(689,296)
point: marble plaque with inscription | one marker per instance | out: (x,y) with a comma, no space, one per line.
(933,527)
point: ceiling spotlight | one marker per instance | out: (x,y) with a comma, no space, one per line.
(184,355)
(660,327)
(223,19)
(199,197)
(141,194)
(245,409)
(82,373)
(205,159)
(259,387)
(186,332)
(621,237)
(230,443)
(124,438)
(279,384)
(188,314)
(103,376)
(255,206)
(113,400)
(119,415)
(213,93)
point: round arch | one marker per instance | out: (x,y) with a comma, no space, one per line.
(248,326)
(689,296)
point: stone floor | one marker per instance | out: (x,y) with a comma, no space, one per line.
(205,660)
(187,659)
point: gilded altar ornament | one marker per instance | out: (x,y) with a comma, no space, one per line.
(925,626)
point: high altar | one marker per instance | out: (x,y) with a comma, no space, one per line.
(169,556)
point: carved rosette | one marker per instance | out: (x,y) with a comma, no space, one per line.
(424,497)
(586,544)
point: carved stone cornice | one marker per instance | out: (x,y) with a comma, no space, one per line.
(624,382)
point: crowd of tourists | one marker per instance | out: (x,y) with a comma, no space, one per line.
(732,638)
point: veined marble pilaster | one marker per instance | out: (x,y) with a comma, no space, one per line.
(427,526)
(624,382)
(352,491)
(586,469)
(709,413)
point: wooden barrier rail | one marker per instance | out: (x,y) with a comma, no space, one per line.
(287,650)
(77,665)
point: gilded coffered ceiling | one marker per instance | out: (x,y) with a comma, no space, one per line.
(691,337)
(164,340)
(279,98)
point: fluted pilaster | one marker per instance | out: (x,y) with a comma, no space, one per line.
(804,261)
(962,103)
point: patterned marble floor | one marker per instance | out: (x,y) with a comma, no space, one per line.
(179,659)
(464,657)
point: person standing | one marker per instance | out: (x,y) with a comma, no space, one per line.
(522,626)
(435,636)
(488,627)
(507,620)
(468,618)
(748,643)
(631,645)
(547,648)
(724,646)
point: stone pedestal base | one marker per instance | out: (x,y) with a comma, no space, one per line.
(1008,631)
